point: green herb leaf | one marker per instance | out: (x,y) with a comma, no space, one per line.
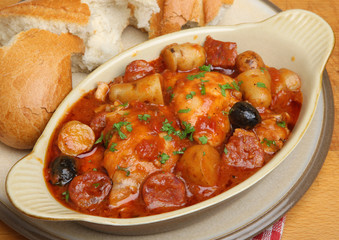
(144,117)
(190,95)
(268,142)
(167,127)
(182,151)
(187,132)
(263,69)
(199,75)
(261,85)
(121,124)
(124,169)
(112,147)
(225,150)
(281,124)
(164,157)
(203,139)
(228,86)
(100,139)
(224,112)
(168,138)
(66,195)
(202,88)
(184,110)
(124,104)
(206,68)
(96,185)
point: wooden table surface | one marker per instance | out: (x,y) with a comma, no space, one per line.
(316,215)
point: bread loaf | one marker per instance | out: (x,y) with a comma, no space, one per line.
(175,15)
(99,23)
(35,76)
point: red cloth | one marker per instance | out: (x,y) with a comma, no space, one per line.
(272,233)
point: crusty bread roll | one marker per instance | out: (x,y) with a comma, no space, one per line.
(5,3)
(99,23)
(35,76)
(175,15)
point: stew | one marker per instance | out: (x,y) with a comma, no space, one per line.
(172,132)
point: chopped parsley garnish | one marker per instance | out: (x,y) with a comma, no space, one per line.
(227,86)
(184,110)
(182,151)
(190,95)
(108,137)
(225,150)
(188,131)
(163,158)
(206,68)
(202,88)
(96,185)
(167,127)
(66,195)
(199,75)
(100,139)
(94,169)
(171,97)
(112,147)
(118,126)
(224,113)
(168,138)
(261,85)
(124,169)
(263,69)
(281,124)
(124,104)
(268,142)
(144,117)
(203,139)
(169,88)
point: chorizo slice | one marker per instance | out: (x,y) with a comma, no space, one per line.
(89,189)
(163,191)
(244,150)
(220,54)
(137,70)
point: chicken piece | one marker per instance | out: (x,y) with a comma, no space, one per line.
(101,92)
(272,133)
(203,100)
(137,146)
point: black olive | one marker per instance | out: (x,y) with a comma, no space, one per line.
(63,170)
(244,115)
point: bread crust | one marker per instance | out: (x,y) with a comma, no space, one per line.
(174,14)
(6,3)
(72,11)
(35,76)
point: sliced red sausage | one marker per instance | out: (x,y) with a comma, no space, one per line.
(89,189)
(138,69)
(163,192)
(220,54)
(243,150)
